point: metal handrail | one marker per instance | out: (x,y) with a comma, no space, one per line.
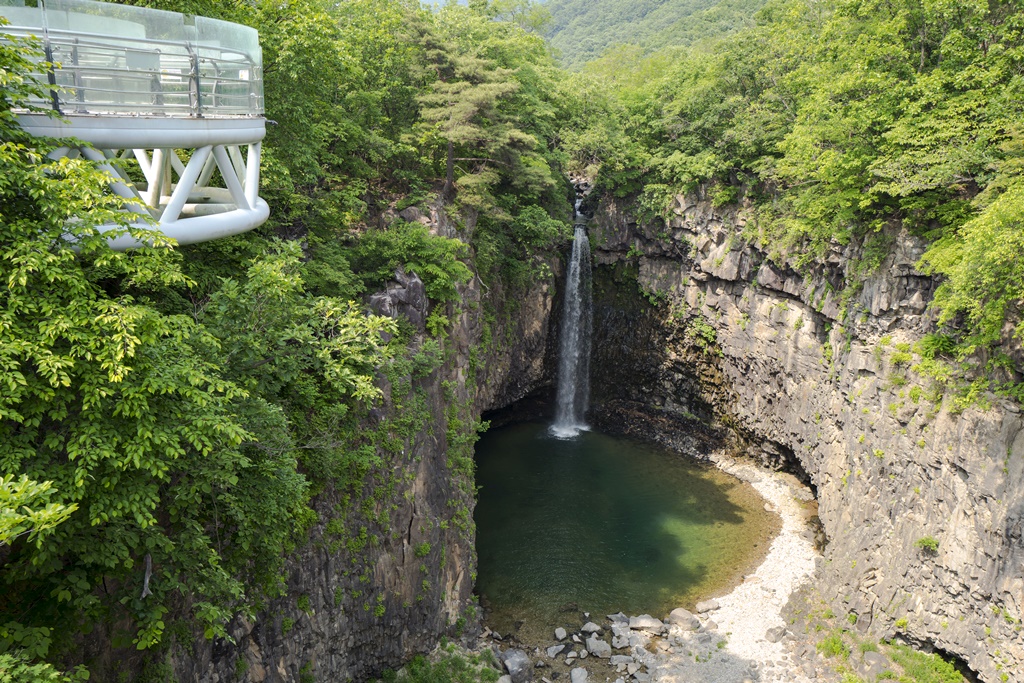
(96,73)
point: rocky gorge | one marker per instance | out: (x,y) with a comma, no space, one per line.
(700,339)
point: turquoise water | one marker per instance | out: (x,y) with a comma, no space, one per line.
(602,524)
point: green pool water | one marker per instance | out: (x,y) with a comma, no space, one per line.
(601,524)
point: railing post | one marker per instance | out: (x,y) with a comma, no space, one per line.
(51,76)
(195,93)
(79,86)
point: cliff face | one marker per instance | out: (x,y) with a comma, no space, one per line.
(691,320)
(390,565)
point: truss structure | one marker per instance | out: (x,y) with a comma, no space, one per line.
(195,192)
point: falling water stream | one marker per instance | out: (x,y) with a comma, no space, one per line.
(574,351)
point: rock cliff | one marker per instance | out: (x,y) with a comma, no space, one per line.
(921,497)
(389,565)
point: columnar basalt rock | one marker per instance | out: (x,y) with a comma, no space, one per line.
(692,320)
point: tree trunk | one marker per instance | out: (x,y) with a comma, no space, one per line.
(448,193)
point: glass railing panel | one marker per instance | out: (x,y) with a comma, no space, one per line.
(230,67)
(19,15)
(119,58)
(116,21)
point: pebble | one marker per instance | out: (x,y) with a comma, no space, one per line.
(560,633)
(598,647)
(578,675)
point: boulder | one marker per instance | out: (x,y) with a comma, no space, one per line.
(619,642)
(684,619)
(578,675)
(555,650)
(590,627)
(560,633)
(774,635)
(598,647)
(518,665)
(707,606)
(645,622)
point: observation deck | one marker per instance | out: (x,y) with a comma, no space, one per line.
(170,104)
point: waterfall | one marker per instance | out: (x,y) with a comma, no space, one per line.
(574,351)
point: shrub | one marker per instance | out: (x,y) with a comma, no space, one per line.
(437,260)
(833,646)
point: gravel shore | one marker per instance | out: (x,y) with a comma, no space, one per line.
(740,637)
(741,648)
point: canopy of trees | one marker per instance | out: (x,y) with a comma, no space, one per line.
(583,30)
(842,120)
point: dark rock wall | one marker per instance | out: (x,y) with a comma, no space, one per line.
(691,320)
(390,568)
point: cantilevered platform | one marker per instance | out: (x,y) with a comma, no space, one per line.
(172,104)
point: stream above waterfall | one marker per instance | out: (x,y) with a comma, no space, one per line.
(601,524)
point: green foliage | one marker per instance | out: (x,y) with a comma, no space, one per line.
(303,604)
(928,544)
(985,276)
(834,646)
(921,667)
(25,509)
(16,668)
(157,441)
(842,121)
(702,333)
(582,30)
(437,260)
(451,666)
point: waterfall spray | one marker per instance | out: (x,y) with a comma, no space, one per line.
(574,352)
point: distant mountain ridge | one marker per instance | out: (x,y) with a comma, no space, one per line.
(581,30)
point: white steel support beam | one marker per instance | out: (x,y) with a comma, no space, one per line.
(227,171)
(214,194)
(185,184)
(252,173)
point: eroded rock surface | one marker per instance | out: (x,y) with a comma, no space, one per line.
(820,383)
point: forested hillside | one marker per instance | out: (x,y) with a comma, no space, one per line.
(582,30)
